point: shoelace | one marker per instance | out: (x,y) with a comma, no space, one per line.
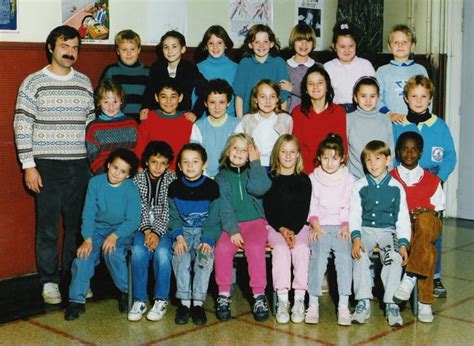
(260,304)
(223,301)
(393,310)
(360,308)
(162,304)
(137,307)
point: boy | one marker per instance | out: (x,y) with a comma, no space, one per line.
(439,156)
(111,214)
(194,227)
(166,123)
(378,217)
(129,71)
(212,131)
(151,242)
(425,198)
(393,76)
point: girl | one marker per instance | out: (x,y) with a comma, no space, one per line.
(366,123)
(266,120)
(260,61)
(242,183)
(328,217)
(347,68)
(212,52)
(112,129)
(317,115)
(286,207)
(302,42)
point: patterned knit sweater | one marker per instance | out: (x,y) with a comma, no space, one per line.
(51,115)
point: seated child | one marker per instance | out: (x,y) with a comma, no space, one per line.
(425,198)
(378,216)
(111,214)
(130,72)
(151,242)
(194,227)
(212,131)
(165,123)
(112,129)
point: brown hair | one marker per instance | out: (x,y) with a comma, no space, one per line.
(302,31)
(376,148)
(252,34)
(254,94)
(274,158)
(127,35)
(107,85)
(333,141)
(419,80)
(402,28)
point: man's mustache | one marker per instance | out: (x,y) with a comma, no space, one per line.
(69,57)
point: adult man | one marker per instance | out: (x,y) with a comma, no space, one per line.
(54,105)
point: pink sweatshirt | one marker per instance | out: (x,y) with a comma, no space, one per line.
(330,197)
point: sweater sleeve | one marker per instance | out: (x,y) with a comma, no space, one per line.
(355,212)
(175,224)
(382,104)
(403,225)
(90,210)
(160,223)
(132,213)
(314,204)
(259,182)
(228,218)
(282,74)
(196,136)
(211,230)
(449,155)
(239,84)
(344,215)
(149,93)
(143,137)
(144,207)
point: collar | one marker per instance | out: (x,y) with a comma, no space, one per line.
(220,60)
(308,63)
(380,181)
(349,64)
(333,179)
(267,60)
(261,118)
(430,122)
(369,114)
(410,176)
(401,63)
(57,76)
(105,117)
(135,65)
(219,122)
(193,183)
(169,116)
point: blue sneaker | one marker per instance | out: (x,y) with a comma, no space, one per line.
(260,309)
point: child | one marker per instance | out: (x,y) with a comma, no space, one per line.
(302,42)
(425,199)
(366,123)
(130,72)
(194,227)
(111,214)
(242,184)
(166,123)
(266,120)
(393,76)
(317,115)
(439,156)
(112,129)
(286,207)
(212,131)
(346,68)
(378,217)
(213,50)
(172,46)
(328,217)
(260,61)
(151,241)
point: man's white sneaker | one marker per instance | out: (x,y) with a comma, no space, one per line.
(392,314)
(137,311)
(424,313)
(297,312)
(361,312)
(403,292)
(51,294)
(158,310)
(282,314)
(312,315)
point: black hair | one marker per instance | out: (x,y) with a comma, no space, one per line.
(409,135)
(366,80)
(219,86)
(306,103)
(172,33)
(65,32)
(333,141)
(252,35)
(168,83)
(128,156)
(344,29)
(193,147)
(154,148)
(218,31)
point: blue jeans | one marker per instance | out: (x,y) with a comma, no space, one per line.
(141,257)
(116,262)
(202,267)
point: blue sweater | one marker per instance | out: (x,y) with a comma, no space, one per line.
(392,79)
(114,207)
(439,154)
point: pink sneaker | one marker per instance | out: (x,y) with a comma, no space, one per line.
(312,315)
(343,316)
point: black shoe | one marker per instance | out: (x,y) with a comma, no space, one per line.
(123,303)
(182,314)
(260,309)
(199,315)
(223,308)
(74,310)
(438,289)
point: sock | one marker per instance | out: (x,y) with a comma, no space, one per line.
(283,297)
(186,302)
(225,294)
(299,297)
(198,303)
(313,300)
(411,275)
(343,300)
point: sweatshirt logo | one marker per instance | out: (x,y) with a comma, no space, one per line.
(437,154)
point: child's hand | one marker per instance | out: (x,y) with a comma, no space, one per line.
(316,231)
(109,244)
(151,240)
(397,118)
(404,254)
(357,248)
(237,240)
(205,249)
(85,249)
(144,114)
(33,179)
(254,154)
(286,85)
(180,247)
(190,116)
(344,233)
(289,236)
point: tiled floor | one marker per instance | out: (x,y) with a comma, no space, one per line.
(103,324)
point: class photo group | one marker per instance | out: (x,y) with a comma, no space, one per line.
(172,169)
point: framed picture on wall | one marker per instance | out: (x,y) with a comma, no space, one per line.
(311,13)
(9,15)
(243,14)
(90,18)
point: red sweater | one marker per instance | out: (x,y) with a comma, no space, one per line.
(173,129)
(419,195)
(312,129)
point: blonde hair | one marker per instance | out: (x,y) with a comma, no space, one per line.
(376,148)
(253,98)
(224,162)
(127,35)
(109,85)
(274,158)
(419,80)
(402,28)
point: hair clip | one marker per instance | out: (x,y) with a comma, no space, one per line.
(344,26)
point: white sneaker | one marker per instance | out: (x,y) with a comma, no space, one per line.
(403,292)
(312,315)
(158,310)
(89,294)
(392,314)
(282,314)
(137,311)
(297,312)
(424,313)
(51,294)
(362,312)
(343,316)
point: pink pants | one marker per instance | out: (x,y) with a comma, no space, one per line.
(254,234)
(283,257)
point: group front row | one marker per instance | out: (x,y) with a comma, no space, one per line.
(194,224)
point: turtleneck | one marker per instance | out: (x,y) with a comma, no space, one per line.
(105,117)
(416,118)
(333,179)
